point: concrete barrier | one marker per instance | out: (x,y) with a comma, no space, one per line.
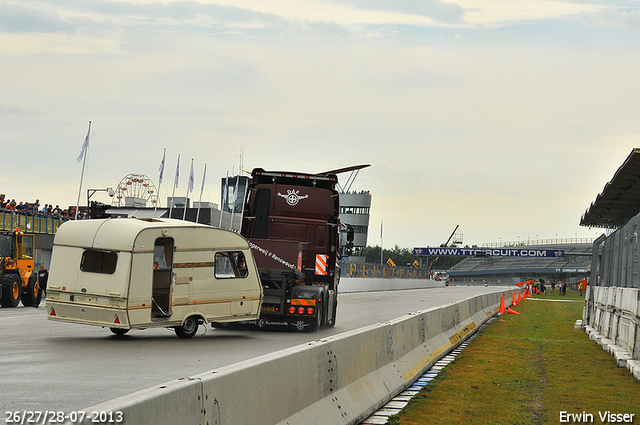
(611,318)
(613,313)
(336,380)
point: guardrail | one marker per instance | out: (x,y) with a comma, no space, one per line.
(29,222)
(337,380)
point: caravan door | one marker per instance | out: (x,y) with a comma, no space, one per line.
(161,288)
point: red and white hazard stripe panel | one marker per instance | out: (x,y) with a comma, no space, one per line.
(303,302)
(321,264)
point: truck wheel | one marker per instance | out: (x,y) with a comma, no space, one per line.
(119,331)
(331,321)
(10,283)
(31,294)
(188,328)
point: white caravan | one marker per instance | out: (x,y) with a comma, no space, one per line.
(140,273)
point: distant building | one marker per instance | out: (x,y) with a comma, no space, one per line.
(233,201)
(355,210)
(177,202)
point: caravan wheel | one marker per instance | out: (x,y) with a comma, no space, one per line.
(188,328)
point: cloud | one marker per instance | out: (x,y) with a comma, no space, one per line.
(22,19)
(12,110)
(192,13)
(88,16)
(629,19)
(435,9)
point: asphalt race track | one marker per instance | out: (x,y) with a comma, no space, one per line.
(66,367)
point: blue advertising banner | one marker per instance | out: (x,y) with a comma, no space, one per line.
(490,252)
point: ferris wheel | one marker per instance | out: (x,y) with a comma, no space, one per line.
(135,190)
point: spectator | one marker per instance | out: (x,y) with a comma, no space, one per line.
(43,276)
(3,203)
(582,286)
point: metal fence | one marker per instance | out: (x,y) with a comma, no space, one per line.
(615,258)
(30,223)
(369,270)
(613,296)
(536,242)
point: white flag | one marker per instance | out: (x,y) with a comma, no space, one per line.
(235,191)
(177,171)
(85,144)
(161,169)
(226,189)
(191,177)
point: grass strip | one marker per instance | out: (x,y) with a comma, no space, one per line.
(528,369)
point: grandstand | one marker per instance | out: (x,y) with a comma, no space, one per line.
(575,265)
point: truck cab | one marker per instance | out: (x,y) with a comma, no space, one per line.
(291,222)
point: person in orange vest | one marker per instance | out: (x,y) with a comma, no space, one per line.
(530,283)
(582,286)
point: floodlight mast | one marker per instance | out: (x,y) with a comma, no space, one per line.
(453,233)
(91,192)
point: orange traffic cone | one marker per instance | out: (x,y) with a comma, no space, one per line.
(501,311)
(512,311)
(524,296)
(513,302)
(519,297)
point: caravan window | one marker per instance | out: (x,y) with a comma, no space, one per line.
(230,264)
(98,262)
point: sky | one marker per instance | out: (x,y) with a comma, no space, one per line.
(505,117)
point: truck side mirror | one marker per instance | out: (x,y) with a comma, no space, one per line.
(348,248)
(350,233)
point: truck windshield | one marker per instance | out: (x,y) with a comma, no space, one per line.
(6,246)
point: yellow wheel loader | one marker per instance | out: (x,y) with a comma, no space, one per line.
(18,277)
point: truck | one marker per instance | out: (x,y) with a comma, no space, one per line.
(18,277)
(130,273)
(291,221)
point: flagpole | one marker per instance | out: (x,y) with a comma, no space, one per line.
(242,206)
(235,196)
(189,189)
(201,190)
(381,248)
(85,148)
(164,155)
(224,198)
(174,186)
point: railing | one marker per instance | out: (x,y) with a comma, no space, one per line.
(29,222)
(557,241)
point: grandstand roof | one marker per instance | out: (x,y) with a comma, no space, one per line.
(620,199)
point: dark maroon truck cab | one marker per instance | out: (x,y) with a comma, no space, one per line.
(291,221)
